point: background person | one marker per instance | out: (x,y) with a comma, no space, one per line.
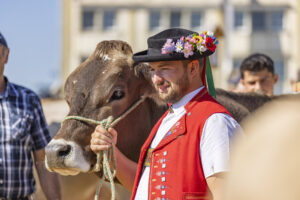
(23,132)
(257,74)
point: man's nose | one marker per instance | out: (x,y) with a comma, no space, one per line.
(258,86)
(156,78)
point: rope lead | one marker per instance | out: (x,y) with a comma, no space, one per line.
(107,172)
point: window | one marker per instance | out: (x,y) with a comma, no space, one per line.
(267,21)
(237,63)
(154,18)
(196,20)
(234,76)
(108,19)
(175,19)
(258,21)
(279,69)
(276,20)
(87,19)
(238,19)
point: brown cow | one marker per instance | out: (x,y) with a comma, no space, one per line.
(107,84)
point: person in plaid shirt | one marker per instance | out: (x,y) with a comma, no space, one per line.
(23,133)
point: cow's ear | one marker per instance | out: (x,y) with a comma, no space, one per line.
(142,70)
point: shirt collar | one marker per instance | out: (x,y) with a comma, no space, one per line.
(178,106)
(10,90)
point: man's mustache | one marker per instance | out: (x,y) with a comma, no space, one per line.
(162,83)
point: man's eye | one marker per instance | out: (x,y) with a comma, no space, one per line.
(117,95)
(265,80)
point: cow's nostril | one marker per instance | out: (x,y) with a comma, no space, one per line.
(64,151)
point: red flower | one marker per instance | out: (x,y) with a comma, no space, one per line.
(209,42)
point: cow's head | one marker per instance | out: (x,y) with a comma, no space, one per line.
(104,85)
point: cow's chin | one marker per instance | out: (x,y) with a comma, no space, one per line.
(66,172)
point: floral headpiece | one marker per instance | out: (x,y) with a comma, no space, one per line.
(191,44)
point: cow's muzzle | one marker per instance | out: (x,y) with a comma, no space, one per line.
(65,157)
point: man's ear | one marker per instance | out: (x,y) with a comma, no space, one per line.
(242,82)
(194,68)
(6,55)
(275,77)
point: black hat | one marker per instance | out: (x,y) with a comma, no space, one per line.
(163,46)
(2,40)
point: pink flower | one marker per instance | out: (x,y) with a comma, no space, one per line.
(188,50)
(188,38)
(193,40)
(168,47)
(190,44)
(182,39)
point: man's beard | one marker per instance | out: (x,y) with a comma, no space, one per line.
(175,91)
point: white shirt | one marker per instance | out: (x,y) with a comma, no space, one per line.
(214,144)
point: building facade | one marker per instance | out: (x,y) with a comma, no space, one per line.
(241,26)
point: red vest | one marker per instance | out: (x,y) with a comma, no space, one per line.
(175,166)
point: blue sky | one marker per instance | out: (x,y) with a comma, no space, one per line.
(32,29)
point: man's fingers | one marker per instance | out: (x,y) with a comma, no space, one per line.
(100,129)
(102,139)
(102,134)
(97,148)
(96,141)
(114,134)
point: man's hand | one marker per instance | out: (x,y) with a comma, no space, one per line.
(102,139)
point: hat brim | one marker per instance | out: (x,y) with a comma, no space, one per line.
(143,56)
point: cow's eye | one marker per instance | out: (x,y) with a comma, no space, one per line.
(118,94)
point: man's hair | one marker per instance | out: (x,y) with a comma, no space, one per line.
(257,62)
(200,61)
(201,65)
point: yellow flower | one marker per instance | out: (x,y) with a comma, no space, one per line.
(198,38)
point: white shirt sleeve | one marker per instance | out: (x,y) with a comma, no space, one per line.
(215,143)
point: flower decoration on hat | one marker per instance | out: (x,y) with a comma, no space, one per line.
(191,44)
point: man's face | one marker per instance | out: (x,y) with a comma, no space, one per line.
(170,80)
(262,81)
(3,56)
